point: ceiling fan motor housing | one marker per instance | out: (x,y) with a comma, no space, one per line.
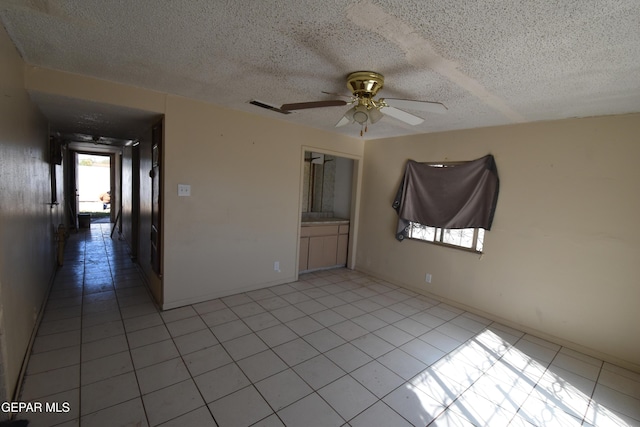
(365,84)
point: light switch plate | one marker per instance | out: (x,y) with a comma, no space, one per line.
(184,190)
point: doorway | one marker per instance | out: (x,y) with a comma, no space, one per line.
(328,210)
(95,187)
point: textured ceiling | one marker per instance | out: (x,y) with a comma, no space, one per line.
(490,62)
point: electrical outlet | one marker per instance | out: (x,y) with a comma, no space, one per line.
(427,278)
(276,266)
(184,190)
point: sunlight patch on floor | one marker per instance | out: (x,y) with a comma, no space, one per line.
(488,381)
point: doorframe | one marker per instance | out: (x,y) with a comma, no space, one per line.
(356,188)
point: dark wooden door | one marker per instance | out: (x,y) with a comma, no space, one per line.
(156,199)
(135,200)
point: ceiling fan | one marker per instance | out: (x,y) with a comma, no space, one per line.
(364,85)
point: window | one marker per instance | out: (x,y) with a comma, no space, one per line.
(465,238)
(468,238)
(457,199)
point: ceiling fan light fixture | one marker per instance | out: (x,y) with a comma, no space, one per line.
(375,115)
(349,114)
(360,114)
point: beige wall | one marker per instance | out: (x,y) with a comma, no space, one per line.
(91,89)
(563,256)
(245,173)
(27,222)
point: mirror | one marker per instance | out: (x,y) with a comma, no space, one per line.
(327,185)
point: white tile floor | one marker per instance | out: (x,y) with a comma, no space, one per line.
(336,348)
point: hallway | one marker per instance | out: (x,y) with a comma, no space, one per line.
(95,294)
(336,348)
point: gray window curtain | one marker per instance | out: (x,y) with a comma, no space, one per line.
(459,196)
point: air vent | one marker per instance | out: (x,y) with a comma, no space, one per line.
(268,107)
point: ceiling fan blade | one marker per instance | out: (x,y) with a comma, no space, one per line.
(343,121)
(347,118)
(402,115)
(267,106)
(428,106)
(314,104)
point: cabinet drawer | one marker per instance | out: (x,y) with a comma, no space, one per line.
(344,229)
(319,230)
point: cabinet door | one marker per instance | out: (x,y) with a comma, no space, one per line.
(322,251)
(316,246)
(330,250)
(303,261)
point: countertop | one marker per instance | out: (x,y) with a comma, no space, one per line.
(307,222)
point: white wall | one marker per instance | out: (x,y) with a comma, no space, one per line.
(562,257)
